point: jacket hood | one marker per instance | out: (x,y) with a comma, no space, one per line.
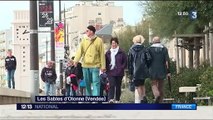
(137,48)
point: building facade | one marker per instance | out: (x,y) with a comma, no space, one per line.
(5,44)
(87,13)
(21,49)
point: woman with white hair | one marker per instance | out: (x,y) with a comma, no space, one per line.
(138,59)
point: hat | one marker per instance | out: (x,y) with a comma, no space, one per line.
(92,28)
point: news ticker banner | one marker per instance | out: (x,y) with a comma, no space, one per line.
(93,103)
(70,98)
(96,106)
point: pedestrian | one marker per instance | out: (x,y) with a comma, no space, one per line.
(80,78)
(159,68)
(104,89)
(116,62)
(10,66)
(49,76)
(91,50)
(138,62)
(75,74)
(67,74)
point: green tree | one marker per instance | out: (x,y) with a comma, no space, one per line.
(126,35)
(206,80)
(164,19)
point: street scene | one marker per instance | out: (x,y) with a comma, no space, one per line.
(128,52)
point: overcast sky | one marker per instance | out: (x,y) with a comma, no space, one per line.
(131,11)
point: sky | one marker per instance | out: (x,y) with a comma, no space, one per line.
(131,11)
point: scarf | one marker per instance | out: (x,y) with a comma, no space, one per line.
(113,53)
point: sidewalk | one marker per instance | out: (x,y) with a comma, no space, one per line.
(10,112)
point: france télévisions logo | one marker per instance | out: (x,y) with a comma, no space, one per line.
(193,14)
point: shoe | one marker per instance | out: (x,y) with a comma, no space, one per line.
(144,100)
(111,101)
(117,101)
(157,100)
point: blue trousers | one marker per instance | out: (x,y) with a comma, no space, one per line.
(92,80)
(50,89)
(10,77)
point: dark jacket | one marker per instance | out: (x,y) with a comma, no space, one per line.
(159,55)
(10,63)
(72,70)
(48,75)
(120,63)
(76,71)
(138,61)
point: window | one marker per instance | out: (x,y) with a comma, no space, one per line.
(23,26)
(16,32)
(91,22)
(98,21)
(23,39)
(23,65)
(23,47)
(23,56)
(23,51)
(16,29)
(99,13)
(17,36)
(112,22)
(27,39)
(23,70)
(19,26)
(23,61)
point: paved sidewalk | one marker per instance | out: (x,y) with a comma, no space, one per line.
(10,112)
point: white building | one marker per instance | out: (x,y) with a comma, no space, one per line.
(5,44)
(87,13)
(21,47)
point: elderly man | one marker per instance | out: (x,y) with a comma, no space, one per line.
(159,68)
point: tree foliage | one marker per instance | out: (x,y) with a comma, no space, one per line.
(206,80)
(126,35)
(164,19)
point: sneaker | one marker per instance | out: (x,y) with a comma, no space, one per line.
(117,101)
(111,101)
(144,100)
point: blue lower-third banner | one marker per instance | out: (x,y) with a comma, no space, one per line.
(68,106)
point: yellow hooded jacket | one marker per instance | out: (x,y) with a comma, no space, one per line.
(94,57)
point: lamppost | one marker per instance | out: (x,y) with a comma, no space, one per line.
(46,50)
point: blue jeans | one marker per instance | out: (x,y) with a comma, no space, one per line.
(67,93)
(50,89)
(91,77)
(10,77)
(70,91)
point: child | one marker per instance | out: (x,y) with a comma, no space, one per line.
(104,84)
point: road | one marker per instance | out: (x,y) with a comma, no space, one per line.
(10,112)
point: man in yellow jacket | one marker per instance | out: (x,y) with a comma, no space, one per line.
(91,51)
